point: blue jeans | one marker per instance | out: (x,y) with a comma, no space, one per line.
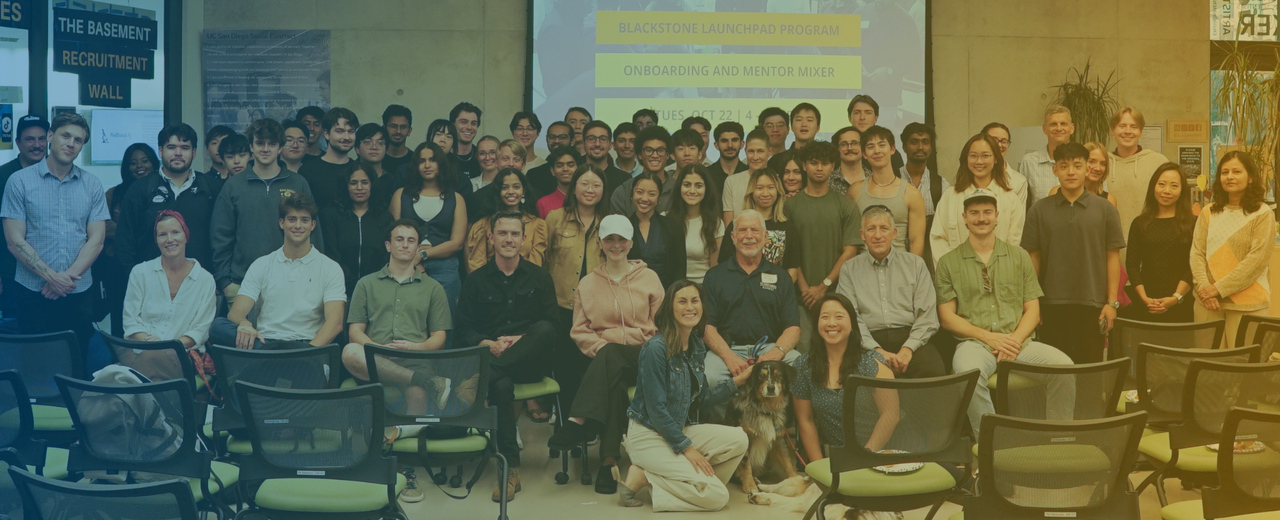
(445,271)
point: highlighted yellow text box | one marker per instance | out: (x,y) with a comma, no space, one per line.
(729,70)
(671,111)
(692,28)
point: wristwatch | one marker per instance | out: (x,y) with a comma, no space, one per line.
(1115,304)
(1178,296)
(422,254)
(827,282)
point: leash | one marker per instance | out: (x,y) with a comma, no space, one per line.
(754,352)
(792,443)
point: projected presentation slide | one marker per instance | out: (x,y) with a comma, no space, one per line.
(726,60)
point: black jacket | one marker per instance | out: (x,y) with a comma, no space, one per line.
(673,237)
(358,244)
(135,231)
(489,308)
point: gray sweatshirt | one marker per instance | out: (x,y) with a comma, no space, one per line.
(246,221)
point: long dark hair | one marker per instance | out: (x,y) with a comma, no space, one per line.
(668,327)
(446,126)
(964,177)
(571,200)
(344,200)
(526,203)
(1183,217)
(446,180)
(709,208)
(1253,193)
(126,175)
(818,346)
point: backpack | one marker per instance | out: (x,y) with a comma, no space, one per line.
(137,422)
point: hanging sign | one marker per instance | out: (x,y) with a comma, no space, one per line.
(107,45)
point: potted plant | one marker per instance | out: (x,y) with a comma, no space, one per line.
(1091,102)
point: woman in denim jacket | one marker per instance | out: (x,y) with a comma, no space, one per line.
(687,463)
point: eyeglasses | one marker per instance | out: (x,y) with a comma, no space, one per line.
(290,141)
(775,126)
(986,280)
(558,136)
(850,144)
(1004,142)
(371,142)
(526,129)
(654,151)
(596,138)
(981,157)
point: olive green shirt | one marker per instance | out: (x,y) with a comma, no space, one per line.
(394,310)
(1011,279)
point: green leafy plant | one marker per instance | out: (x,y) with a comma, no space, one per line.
(1247,97)
(1091,101)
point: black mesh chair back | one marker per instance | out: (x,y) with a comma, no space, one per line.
(1213,389)
(16,421)
(456,385)
(923,417)
(1131,333)
(123,351)
(1042,469)
(10,500)
(1267,336)
(148,427)
(39,357)
(1162,375)
(48,499)
(1247,330)
(331,434)
(1060,392)
(312,368)
(1245,487)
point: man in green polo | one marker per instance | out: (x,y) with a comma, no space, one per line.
(988,296)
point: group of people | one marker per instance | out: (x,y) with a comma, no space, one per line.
(621,256)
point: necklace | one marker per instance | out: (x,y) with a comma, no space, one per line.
(873,181)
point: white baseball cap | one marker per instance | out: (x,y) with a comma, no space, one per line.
(615,225)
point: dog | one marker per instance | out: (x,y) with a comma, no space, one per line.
(762,409)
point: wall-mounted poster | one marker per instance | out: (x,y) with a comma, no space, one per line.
(250,75)
(1244,20)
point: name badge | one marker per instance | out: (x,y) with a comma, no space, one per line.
(768,278)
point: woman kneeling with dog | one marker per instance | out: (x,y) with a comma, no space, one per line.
(835,353)
(686,463)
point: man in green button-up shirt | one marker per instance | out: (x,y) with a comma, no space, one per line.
(988,296)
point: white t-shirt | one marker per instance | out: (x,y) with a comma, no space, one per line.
(696,250)
(293,293)
(735,191)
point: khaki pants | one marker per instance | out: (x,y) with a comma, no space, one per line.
(1233,321)
(677,486)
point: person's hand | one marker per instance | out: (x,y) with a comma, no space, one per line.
(813,294)
(1108,313)
(774,354)
(148,337)
(508,341)
(891,360)
(495,347)
(1003,344)
(1210,304)
(246,336)
(1160,305)
(61,283)
(1208,291)
(401,344)
(48,292)
(699,462)
(741,378)
(904,357)
(1003,356)
(736,364)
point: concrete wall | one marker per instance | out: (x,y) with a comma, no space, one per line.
(993,60)
(996,60)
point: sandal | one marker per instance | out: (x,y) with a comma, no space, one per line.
(538,415)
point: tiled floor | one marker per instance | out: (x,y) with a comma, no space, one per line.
(542,499)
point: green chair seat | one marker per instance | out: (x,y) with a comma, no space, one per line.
(199,383)
(349,383)
(957,516)
(631,393)
(470,443)
(1052,458)
(51,419)
(209,433)
(313,495)
(1017,382)
(932,478)
(1194,510)
(1200,459)
(55,467)
(325,441)
(227,473)
(547,386)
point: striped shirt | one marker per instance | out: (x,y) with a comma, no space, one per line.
(57,214)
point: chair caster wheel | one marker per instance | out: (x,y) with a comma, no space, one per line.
(439,478)
(562,478)
(586,479)
(555,454)
(455,481)
(575,453)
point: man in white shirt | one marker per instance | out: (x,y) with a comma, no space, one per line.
(302,291)
(1037,166)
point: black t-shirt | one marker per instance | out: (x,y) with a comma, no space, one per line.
(306,158)
(325,179)
(393,164)
(542,180)
(468,165)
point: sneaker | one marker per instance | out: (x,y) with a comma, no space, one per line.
(519,441)
(568,437)
(410,494)
(442,386)
(513,485)
(467,390)
(605,484)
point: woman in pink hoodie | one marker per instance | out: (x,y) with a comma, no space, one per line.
(613,315)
